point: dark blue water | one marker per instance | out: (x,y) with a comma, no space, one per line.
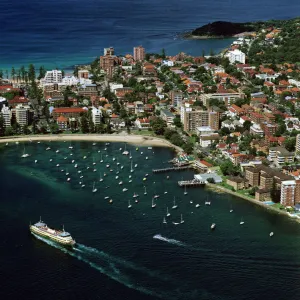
(67,32)
(129,253)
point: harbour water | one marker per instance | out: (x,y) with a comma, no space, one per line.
(67,32)
(129,253)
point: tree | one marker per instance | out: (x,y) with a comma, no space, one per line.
(290,144)
(2,125)
(54,128)
(188,148)
(13,73)
(211,180)
(1,74)
(247,124)
(84,123)
(228,168)
(163,54)
(177,122)
(23,73)
(31,73)
(42,72)
(158,125)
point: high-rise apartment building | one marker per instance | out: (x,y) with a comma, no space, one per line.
(139,53)
(290,192)
(96,115)
(176,97)
(107,63)
(54,76)
(298,143)
(6,113)
(191,119)
(214,120)
(22,114)
(109,51)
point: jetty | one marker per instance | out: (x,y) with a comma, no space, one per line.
(172,169)
(193,182)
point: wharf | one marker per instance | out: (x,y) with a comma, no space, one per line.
(193,182)
(172,169)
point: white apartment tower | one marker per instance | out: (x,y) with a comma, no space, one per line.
(54,76)
(6,113)
(96,115)
(22,114)
(236,55)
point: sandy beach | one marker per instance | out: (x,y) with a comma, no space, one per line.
(132,139)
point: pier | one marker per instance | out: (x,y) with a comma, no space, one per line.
(172,169)
(193,182)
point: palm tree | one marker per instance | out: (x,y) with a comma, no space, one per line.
(13,73)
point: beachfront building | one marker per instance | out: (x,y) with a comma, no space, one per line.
(139,53)
(62,123)
(68,112)
(96,116)
(236,56)
(167,116)
(54,76)
(21,113)
(290,192)
(280,155)
(6,114)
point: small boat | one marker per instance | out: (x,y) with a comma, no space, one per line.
(107,166)
(70,147)
(67,173)
(24,154)
(135,165)
(242,221)
(75,166)
(107,197)
(73,161)
(124,190)
(57,151)
(185,192)
(62,170)
(213,226)
(136,149)
(191,201)
(197,205)
(101,179)
(145,192)
(120,149)
(121,182)
(114,158)
(84,157)
(83,185)
(94,144)
(35,161)
(136,200)
(117,177)
(181,219)
(131,169)
(48,148)
(175,223)
(104,174)
(168,214)
(78,171)
(122,167)
(207,203)
(144,179)
(69,179)
(146,157)
(129,205)
(94,189)
(101,159)
(271,233)
(174,204)
(156,196)
(130,180)
(149,148)
(165,192)
(81,177)
(164,221)
(125,152)
(129,176)
(111,201)
(146,175)
(50,159)
(153,204)
(107,144)
(231,211)
(142,152)
(135,195)
(57,165)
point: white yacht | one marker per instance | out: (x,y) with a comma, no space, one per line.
(153,204)
(94,189)
(174,204)
(168,214)
(213,226)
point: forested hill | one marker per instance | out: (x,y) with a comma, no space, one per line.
(223,29)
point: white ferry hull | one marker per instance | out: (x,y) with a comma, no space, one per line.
(34,230)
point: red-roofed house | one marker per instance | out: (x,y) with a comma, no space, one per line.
(68,112)
(62,122)
(202,165)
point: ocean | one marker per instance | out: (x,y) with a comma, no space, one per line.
(60,34)
(129,253)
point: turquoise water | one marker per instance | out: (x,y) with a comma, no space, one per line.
(129,253)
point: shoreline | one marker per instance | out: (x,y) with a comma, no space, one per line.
(131,139)
(216,187)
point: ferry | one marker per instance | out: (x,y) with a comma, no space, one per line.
(61,237)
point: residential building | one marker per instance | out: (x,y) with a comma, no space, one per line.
(109,51)
(298,143)
(62,122)
(138,107)
(226,96)
(142,123)
(252,175)
(83,74)
(68,112)
(167,116)
(236,56)
(214,120)
(287,196)
(176,97)
(263,195)
(54,76)
(202,165)
(6,114)
(205,140)
(280,155)
(237,183)
(22,114)
(96,116)
(191,118)
(255,129)
(139,53)
(107,63)
(88,90)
